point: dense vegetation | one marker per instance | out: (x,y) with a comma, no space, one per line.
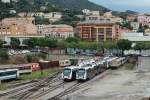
(46,6)
(5,10)
(77,5)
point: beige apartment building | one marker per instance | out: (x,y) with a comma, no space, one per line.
(96,30)
(18,27)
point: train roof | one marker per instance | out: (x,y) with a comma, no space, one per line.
(121,58)
(8,66)
(85,68)
(71,67)
(15,66)
(87,65)
(112,59)
(43,61)
(5,70)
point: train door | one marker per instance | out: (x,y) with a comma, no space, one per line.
(74,73)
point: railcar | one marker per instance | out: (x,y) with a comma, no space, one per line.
(25,69)
(64,63)
(118,62)
(108,61)
(69,73)
(100,66)
(85,73)
(8,74)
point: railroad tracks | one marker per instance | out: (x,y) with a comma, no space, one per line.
(78,86)
(25,91)
(47,91)
(67,91)
(52,83)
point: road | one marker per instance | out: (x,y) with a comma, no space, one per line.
(143,64)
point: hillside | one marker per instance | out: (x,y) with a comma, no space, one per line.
(77,5)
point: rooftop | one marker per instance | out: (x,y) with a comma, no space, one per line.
(96,22)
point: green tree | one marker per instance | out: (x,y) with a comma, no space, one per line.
(29,58)
(42,42)
(127,25)
(14,42)
(3,55)
(62,44)
(124,45)
(110,45)
(147,46)
(72,39)
(139,46)
(1,43)
(94,46)
(141,28)
(41,20)
(32,42)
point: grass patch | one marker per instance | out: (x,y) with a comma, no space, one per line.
(128,66)
(28,77)
(38,74)
(131,63)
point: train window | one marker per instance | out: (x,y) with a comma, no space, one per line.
(67,72)
(81,71)
(8,73)
(67,62)
(27,67)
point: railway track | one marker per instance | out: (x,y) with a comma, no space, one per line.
(25,94)
(47,91)
(67,91)
(30,89)
(78,86)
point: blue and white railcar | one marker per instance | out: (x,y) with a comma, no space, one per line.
(69,73)
(8,74)
(86,72)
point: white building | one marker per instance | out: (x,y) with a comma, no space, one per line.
(31,14)
(53,16)
(135,37)
(96,17)
(143,19)
(86,11)
(89,12)
(108,14)
(56,31)
(5,1)
(12,12)
(135,26)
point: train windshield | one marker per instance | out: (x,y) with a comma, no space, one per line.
(67,72)
(81,71)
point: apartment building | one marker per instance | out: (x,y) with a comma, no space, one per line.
(98,30)
(17,27)
(107,16)
(18,21)
(56,31)
(144,20)
(113,18)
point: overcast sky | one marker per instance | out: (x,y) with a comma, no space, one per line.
(122,5)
